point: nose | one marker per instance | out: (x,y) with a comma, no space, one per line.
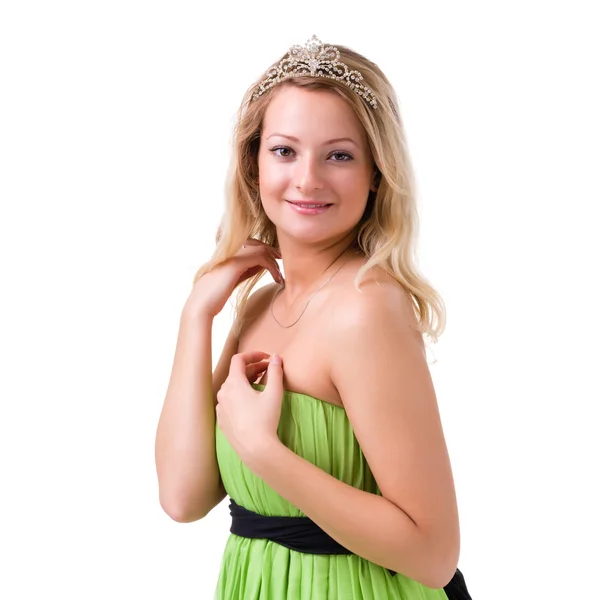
(308,176)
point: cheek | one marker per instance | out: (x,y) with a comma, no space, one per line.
(270,178)
(269,188)
(354,186)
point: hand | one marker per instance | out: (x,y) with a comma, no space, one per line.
(248,418)
(213,289)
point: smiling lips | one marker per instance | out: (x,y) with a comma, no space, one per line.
(308,204)
(308,208)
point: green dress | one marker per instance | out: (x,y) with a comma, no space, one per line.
(256,569)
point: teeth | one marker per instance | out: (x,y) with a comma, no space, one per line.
(311,205)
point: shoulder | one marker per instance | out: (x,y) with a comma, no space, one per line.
(374,342)
(379,368)
(380,306)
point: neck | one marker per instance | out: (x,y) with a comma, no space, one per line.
(304,266)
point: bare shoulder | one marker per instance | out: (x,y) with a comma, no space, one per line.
(381,305)
(380,371)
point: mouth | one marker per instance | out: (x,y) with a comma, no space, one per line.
(303,204)
(308,208)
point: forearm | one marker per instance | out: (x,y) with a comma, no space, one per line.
(366,524)
(188,475)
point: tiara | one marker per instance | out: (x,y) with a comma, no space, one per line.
(314,60)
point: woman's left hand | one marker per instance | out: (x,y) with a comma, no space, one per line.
(249,418)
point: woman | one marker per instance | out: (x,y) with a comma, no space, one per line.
(335,461)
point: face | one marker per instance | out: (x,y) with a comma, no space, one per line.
(315,167)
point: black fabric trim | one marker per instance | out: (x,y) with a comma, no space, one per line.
(457,588)
(303,535)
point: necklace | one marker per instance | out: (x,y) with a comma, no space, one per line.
(311,296)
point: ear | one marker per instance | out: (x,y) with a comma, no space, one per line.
(376,179)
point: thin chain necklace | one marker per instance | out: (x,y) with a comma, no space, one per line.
(312,295)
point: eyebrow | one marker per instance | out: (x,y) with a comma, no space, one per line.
(327,143)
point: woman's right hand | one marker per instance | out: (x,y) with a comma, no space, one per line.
(213,289)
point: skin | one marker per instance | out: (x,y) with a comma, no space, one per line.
(362,349)
(311,168)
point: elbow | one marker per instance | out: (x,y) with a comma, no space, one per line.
(181,513)
(185,506)
(440,579)
(184,510)
(443,568)
(435,562)
(437,577)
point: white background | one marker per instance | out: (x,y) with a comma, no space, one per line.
(115,122)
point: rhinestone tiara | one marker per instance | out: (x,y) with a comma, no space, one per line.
(314,59)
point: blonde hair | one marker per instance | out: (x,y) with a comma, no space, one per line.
(388,230)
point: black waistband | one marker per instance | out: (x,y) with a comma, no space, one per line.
(303,535)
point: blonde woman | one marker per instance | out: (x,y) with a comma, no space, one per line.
(320,421)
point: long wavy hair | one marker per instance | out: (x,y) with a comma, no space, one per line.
(388,231)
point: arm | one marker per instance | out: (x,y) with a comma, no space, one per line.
(381,373)
(188,474)
(190,484)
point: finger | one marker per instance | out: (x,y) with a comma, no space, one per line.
(275,382)
(266,261)
(256,250)
(274,251)
(249,273)
(244,359)
(252,244)
(253,371)
(262,365)
(264,264)
(275,271)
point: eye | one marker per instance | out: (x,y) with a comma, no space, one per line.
(282,151)
(341,156)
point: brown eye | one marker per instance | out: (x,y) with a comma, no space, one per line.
(282,151)
(341,156)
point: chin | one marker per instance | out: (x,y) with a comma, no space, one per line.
(307,235)
(311,234)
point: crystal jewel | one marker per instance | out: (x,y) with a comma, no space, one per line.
(316,60)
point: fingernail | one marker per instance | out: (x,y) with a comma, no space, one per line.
(276,359)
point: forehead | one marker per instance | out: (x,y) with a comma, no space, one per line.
(296,111)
